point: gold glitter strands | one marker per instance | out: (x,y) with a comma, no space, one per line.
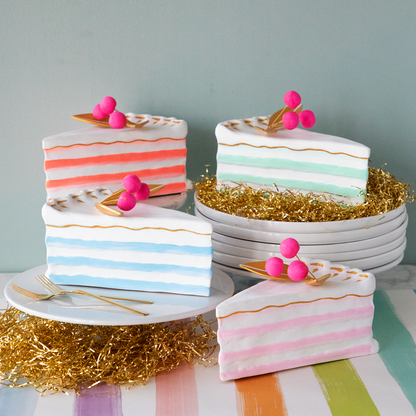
(57,356)
(384,193)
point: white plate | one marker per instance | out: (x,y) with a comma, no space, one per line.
(316,248)
(88,311)
(387,266)
(363,264)
(297,227)
(241,272)
(315,238)
(174,201)
(304,251)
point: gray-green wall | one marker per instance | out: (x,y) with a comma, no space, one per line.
(353,62)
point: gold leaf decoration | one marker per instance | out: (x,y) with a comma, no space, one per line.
(113,198)
(275,120)
(259,267)
(107,210)
(90,119)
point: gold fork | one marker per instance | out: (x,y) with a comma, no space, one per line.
(53,287)
(40,296)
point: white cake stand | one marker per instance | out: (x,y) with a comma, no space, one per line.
(88,311)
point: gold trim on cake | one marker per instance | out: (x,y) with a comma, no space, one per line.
(115,142)
(295,303)
(295,150)
(127,228)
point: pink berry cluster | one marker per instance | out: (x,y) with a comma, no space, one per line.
(107,107)
(135,190)
(297,270)
(291,119)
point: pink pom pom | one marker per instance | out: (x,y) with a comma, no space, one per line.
(108,105)
(289,247)
(274,266)
(143,193)
(126,201)
(297,270)
(290,120)
(307,118)
(292,99)
(97,113)
(131,183)
(117,120)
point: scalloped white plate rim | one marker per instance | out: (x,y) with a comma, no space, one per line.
(88,311)
(297,227)
(314,248)
(363,264)
(338,256)
(315,238)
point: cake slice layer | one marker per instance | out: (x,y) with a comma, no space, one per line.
(277,325)
(148,248)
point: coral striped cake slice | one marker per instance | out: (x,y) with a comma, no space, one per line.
(99,156)
(277,325)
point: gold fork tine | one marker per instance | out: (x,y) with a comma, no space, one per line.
(48,284)
(29,294)
(48,281)
(22,291)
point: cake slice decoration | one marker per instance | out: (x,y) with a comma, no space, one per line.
(105,114)
(107,210)
(275,268)
(149,248)
(134,190)
(274,326)
(289,116)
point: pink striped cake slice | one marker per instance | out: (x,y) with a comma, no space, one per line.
(277,325)
(99,156)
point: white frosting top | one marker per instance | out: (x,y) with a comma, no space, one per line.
(158,127)
(79,210)
(343,282)
(234,132)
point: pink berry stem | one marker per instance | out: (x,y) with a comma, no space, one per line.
(308,267)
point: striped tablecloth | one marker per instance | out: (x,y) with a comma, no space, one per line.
(380,384)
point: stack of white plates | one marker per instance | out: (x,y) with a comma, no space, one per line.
(373,244)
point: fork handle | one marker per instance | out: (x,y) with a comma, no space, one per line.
(130,300)
(80,292)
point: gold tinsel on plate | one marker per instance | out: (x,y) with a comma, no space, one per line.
(58,356)
(384,193)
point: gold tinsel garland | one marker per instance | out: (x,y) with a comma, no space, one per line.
(58,356)
(384,193)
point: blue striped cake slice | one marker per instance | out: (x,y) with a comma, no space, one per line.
(298,160)
(148,248)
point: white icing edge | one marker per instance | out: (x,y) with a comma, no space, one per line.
(281,293)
